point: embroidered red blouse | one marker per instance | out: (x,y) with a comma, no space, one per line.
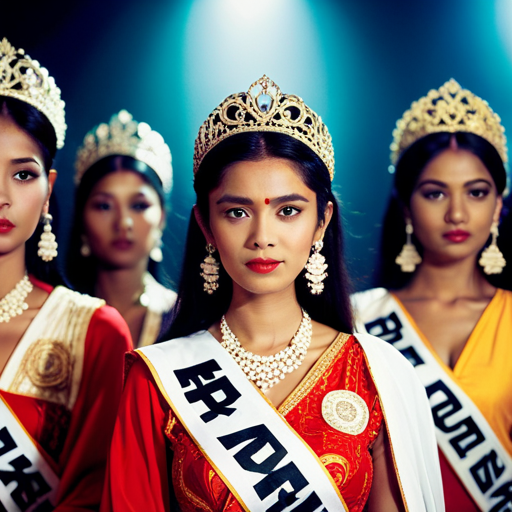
(76,442)
(147,435)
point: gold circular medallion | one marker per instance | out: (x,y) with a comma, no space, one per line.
(48,364)
(345,411)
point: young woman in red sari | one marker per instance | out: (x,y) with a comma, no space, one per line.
(263,399)
(61,353)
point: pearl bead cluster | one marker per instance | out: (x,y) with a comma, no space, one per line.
(47,245)
(13,304)
(266,371)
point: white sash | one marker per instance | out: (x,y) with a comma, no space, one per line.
(463,434)
(27,482)
(262,460)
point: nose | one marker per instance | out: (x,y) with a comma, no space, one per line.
(262,236)
(124,220)
(457,210)
(5,198)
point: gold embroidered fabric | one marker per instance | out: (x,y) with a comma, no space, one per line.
(47,363)
(346,457)
(314,374)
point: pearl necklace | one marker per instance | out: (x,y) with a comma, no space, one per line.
(266,371)
(13,304)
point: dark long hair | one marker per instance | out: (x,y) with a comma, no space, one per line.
(407,171)
(39,128)
(196,310)
(81,271)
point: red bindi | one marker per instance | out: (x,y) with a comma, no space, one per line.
(267,200)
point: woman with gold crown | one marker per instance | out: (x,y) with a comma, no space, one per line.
(61,353)
(263,399)
(124,178)
(437,303)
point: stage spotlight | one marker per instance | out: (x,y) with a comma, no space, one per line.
(258,11)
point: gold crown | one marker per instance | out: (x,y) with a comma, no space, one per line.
(124,136)
(265,109)
(24,79)
(449,109)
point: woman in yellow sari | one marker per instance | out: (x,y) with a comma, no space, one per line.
(439,302)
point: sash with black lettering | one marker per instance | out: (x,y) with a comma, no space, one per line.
(261,459)
(463,434)
(27,482)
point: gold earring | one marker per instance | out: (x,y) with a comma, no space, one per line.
(47,245)
(408,257)
(316,267)
(492,259)
(210,272)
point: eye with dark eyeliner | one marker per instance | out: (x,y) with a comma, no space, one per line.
(140,206)
(433,194)
(236,213)
(100,205)
(289,211)
(25,175)
(479,193)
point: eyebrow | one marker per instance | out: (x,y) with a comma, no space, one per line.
(227,198)
(444,185)
(101,193)
(109,194)
(25,161)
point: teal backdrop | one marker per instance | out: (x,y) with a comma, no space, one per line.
(358,63)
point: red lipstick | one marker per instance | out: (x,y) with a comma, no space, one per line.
(6,226)
(457,236)
(262,265)
(122,244)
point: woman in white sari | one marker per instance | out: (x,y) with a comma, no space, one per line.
(124,180)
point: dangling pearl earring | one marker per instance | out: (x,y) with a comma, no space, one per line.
(47,245)
(408,257)
(492,258)
(156,253)
(316,267)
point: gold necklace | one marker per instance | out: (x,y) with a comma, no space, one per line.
(13,304)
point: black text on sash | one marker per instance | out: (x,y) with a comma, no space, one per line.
(253,439)
(29,486)
(464,434)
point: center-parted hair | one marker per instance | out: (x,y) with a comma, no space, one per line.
(196,310)
(407,172)
(81,271)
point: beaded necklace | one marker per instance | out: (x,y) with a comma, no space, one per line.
(13,304)
(266,371)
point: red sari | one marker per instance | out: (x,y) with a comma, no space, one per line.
(154,463)
(75,442)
